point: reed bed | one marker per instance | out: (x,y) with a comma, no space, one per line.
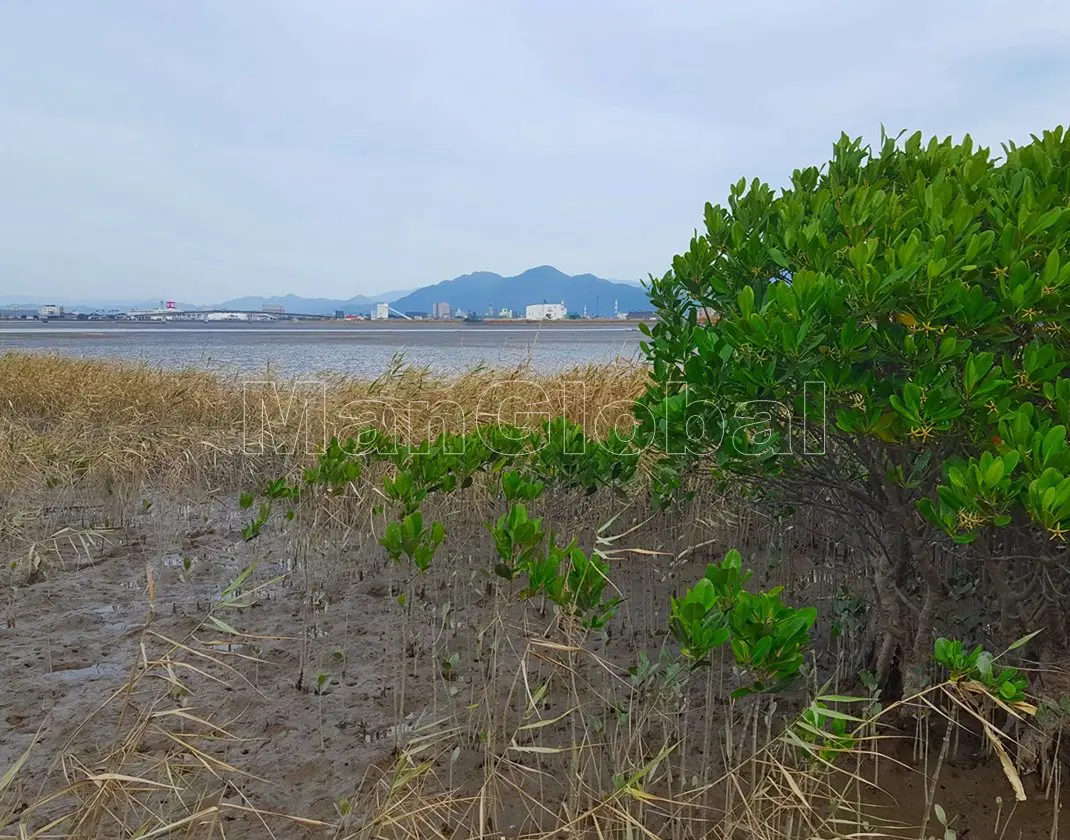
(67,420)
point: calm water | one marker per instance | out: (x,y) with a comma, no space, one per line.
(300,351)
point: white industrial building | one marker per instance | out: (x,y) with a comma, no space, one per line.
(381,312)
(21,313)
(546,312)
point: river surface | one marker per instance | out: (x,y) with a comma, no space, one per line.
(359,351)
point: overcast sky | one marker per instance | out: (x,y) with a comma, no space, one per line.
(200,150)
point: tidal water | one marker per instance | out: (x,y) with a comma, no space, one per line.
(359,351)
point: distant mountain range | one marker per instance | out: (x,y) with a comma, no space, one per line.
(477,293)
(87,305)
(472,292)
(313,306)
(292,303)
(545,284)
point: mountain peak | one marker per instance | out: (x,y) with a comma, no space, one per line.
(484,290)
(541,271)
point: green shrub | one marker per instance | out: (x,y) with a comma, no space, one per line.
(886,338)
(768,638)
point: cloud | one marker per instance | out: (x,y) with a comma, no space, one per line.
(209,149)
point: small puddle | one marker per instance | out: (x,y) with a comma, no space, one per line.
(102,670)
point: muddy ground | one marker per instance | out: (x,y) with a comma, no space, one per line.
(319,676)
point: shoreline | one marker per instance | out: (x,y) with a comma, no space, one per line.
(300,350)
(68,327)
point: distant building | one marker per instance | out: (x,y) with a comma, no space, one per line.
(416,316)
(148,314)
(642,315)
(226,316)
(546,312)
(440,310)
(505,313)
(273,308)
(50,310)
(339,314)
(381,312)
(18,312)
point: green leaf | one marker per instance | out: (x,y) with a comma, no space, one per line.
(1022,642)
(761,650)
(994,472)
(1053,443)
(222,625)
(745,301)
(504,571)
(778,257)
(237,583)
(912,397)
(1051,268)
(840,698)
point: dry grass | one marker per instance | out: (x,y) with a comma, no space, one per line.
(542,775)
(165,775)
(70,420)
